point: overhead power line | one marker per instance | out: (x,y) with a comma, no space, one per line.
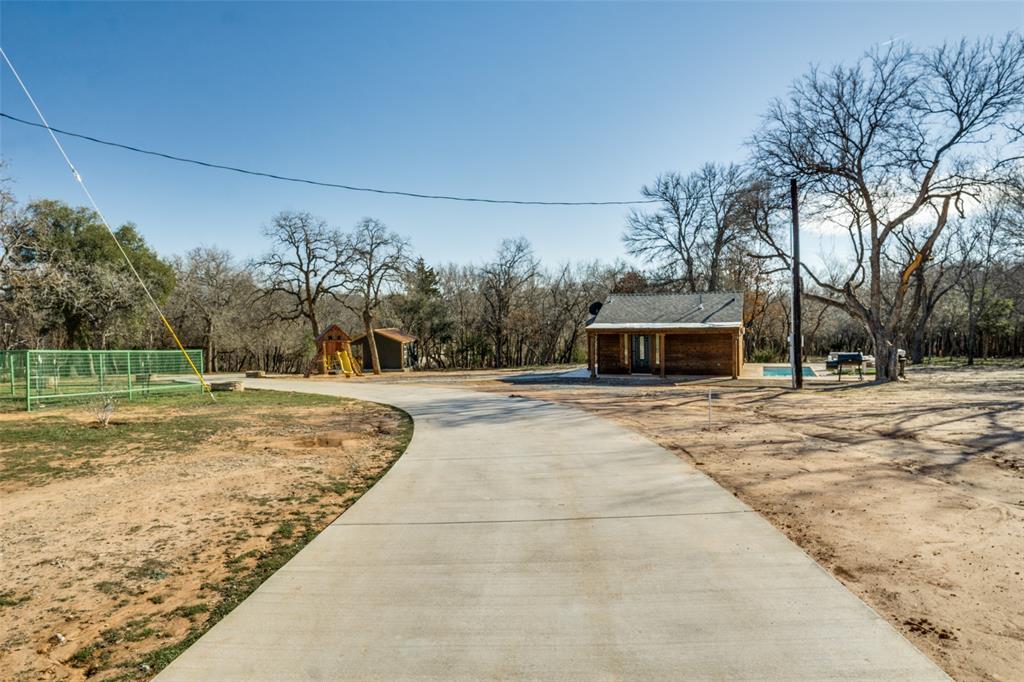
(320,183)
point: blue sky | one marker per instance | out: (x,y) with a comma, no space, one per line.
(549,101)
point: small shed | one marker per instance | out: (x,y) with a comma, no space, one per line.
(395,349)
(688,334)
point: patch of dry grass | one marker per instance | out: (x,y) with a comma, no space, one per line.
(126,543)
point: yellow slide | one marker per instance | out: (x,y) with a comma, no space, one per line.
(348,364)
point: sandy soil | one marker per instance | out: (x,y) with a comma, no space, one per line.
(912,495)
(104,567)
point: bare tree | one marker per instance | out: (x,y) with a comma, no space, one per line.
(669,234)
(886,150)
(460,291)
(566,295)
(502,280)
(936,277)
(13,227)
(19,285)
(979,244)
(212,288)
(696,222)
(378,261)
(306,265)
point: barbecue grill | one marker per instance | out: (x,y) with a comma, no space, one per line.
(836,359)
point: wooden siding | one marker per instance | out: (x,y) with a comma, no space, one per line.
(703,353)
(610,354)
(712,352)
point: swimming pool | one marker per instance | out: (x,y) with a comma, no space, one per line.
(786,372)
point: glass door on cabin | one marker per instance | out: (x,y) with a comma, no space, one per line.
(640,354)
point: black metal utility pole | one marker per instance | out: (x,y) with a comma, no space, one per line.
(796,344)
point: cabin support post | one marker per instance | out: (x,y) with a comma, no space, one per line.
(735,355)
(661,353)
(591,355)
(627,352)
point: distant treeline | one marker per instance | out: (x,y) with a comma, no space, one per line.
(914,157)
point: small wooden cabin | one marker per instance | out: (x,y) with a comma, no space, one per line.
(678,334)
(331,340)
(395,349)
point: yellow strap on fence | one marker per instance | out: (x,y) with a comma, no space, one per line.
(202,380)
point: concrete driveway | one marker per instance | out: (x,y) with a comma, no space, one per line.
(517,539)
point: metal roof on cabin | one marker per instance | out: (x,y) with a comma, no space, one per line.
(392,333)
(662,309)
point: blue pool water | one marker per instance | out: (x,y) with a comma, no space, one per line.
(786,372)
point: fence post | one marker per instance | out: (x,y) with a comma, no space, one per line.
(201,387)
(128,353)
(10,359)
(28,381)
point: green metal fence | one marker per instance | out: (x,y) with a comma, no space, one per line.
(40,377)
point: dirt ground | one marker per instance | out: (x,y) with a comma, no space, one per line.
(120,546)
(912,495)
(116,558)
